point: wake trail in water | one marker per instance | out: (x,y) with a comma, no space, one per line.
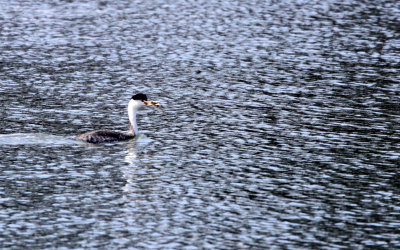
(35,138)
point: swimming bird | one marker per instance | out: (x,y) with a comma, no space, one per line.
(136,102)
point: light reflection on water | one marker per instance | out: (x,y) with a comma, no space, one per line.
(279,125)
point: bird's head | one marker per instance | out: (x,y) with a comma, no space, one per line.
(140,100)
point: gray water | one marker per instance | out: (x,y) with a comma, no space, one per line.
(279,126)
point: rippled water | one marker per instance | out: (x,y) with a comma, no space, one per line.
(279,126)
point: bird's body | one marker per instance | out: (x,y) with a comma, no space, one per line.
(100,136)
(137,101)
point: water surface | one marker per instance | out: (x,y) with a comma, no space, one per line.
(279,126)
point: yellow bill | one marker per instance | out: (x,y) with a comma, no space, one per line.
(152,103)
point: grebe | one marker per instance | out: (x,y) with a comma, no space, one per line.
(137,101)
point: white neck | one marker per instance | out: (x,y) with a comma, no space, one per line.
(133,106)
